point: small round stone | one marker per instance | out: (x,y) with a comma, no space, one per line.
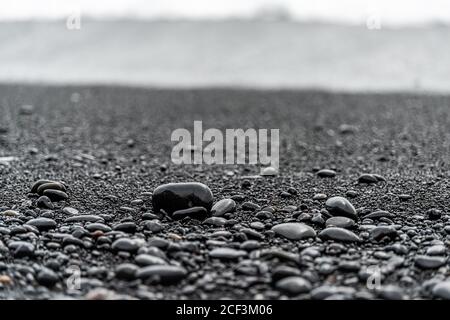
(44,202)
(147,260)
(198,213)
(47,277)
(429,262)
(126,271)
(340,222)
(339,206)
(21,249)
(125,244)
(293,285)
(222,207)
(215,221)
(269,171)
(338,234)
(42,224)
(294,231)
(227,253)
(173,197)
(367,178)
(163,274)
(55,195)
(380,232)
(326,173)
(442,290)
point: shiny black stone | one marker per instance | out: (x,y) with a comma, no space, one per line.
(173,197)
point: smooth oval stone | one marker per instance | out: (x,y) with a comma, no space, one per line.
(47,277)
(198,213)
(70,211)
(84,218)
(222,207)
(293,285)
(44,202)
(37,184)
(227,253)
(269,171)
(127,227)
(215,221)
(326,173)
(55,195)
(148,260)
(320,196)
(126,271)
(50,185)
(339,206)
(380,232)
(98,227)
(173,197)
(42,224)
(21,249)
(429,262)
(339,234)
(367,178)
(379,214)
(436,250)
(340,222)
(125,244)
(442,290)
(294,230)
(163,274)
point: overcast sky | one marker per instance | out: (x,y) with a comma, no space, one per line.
(352,11)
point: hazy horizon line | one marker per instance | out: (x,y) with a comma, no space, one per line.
(174,19)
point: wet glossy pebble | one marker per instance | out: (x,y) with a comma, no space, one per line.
(339,206)
(173,197)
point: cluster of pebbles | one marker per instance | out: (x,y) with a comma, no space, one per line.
(286,251)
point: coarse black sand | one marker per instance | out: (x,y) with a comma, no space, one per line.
(111,147)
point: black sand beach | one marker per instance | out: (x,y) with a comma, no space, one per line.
(111,147)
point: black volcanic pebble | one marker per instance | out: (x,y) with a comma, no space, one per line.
(21,249)
(42,224)
(367,178)
(173,197)
(198,213)
(293,285)
(427,262)
(379,214)
(434,214)
(126,271)
(339,206)
(125,244)
(44,202)
(222,207)
(84,218)
(128,227)
(338,234)
(326,173)
(37,184)
(56,195)
(370,178)
(162,273)
(227,253)
(250,206)
(47,277)
(294,230)
(340,222)
(381,232)
(50,185)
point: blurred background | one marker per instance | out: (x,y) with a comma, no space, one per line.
(350,45)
